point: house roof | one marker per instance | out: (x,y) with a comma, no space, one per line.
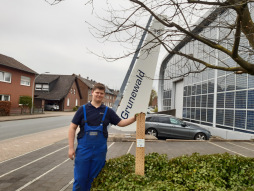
(46,79)
(12,63)
(90,84)
(61,87)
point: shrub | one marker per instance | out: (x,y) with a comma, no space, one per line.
(25,101)
(5,108)
(75,108)
(196,172)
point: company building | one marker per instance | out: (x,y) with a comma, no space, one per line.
(221,101)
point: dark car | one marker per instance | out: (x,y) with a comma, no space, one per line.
(161,125)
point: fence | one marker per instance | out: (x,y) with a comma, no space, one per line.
(25,111)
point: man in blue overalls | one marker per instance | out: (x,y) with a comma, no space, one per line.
(90,155)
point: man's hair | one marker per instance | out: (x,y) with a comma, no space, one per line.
(99,86)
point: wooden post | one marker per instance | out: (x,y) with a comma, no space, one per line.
(140,145)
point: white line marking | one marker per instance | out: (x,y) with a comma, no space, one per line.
(227,149)
(249,143)
(25,153)
(111,145)
(241,146)
(32,181)
(130,148)
(32,162)
(67,185)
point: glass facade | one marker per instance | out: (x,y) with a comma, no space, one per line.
(216,98)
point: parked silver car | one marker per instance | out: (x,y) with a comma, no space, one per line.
(51,107)
(162,125)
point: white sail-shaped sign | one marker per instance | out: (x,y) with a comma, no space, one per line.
(137,93)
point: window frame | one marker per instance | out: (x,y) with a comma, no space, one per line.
(24,80)
(4,77)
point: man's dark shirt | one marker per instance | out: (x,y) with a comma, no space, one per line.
(94,116)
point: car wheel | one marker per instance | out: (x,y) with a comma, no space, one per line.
(152,131)
(200,136)
(52,109)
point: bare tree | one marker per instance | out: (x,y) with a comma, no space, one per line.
(186,22)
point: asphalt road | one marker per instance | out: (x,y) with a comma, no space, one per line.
(11,129)
(49,169)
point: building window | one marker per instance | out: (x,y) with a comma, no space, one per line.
(25,81)
(68,102)
(74,91)
(44,87)
(5,77)
(71,90)
(76,102)
(4,97)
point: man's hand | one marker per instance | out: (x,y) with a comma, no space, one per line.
(71,153)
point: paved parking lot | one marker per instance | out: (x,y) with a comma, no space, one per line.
(49,169)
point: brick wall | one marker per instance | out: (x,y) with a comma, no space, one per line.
(84,92)
(72,98)
(14,89)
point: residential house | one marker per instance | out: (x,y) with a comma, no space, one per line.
(16,80)
(88,84)
(62,90)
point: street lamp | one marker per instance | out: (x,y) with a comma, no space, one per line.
(32,109)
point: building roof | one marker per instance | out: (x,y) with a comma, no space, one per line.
(59,90)
(90,84)
(12,63)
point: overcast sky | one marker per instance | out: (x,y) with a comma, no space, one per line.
(55,39)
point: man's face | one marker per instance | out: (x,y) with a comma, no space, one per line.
(98,95)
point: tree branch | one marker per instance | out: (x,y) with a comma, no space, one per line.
(237,37)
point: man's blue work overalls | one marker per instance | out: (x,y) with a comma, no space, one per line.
(90,155)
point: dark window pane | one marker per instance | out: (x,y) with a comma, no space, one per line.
(251,99)
(229,117)
(204,101)
(193,113)
(211,86)
(203,114)
(185,90)
(164,120)
(155,119)
(193,98)
(194,87)
(221,84)
(188,101)
(197,114)
(230,82)
(250,120)
(220,100)
(230,100)
(210,100)
(184,102)
(198,101)
(198,89)
(189,91)
(240,117)
(184,112)
(188,112)
(241,81)
(219,116)
(204,88)
(240,99)
(148,118)
(210,115)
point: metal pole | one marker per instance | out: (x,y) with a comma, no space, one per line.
(120,94)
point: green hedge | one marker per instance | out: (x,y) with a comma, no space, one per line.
(218,172)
